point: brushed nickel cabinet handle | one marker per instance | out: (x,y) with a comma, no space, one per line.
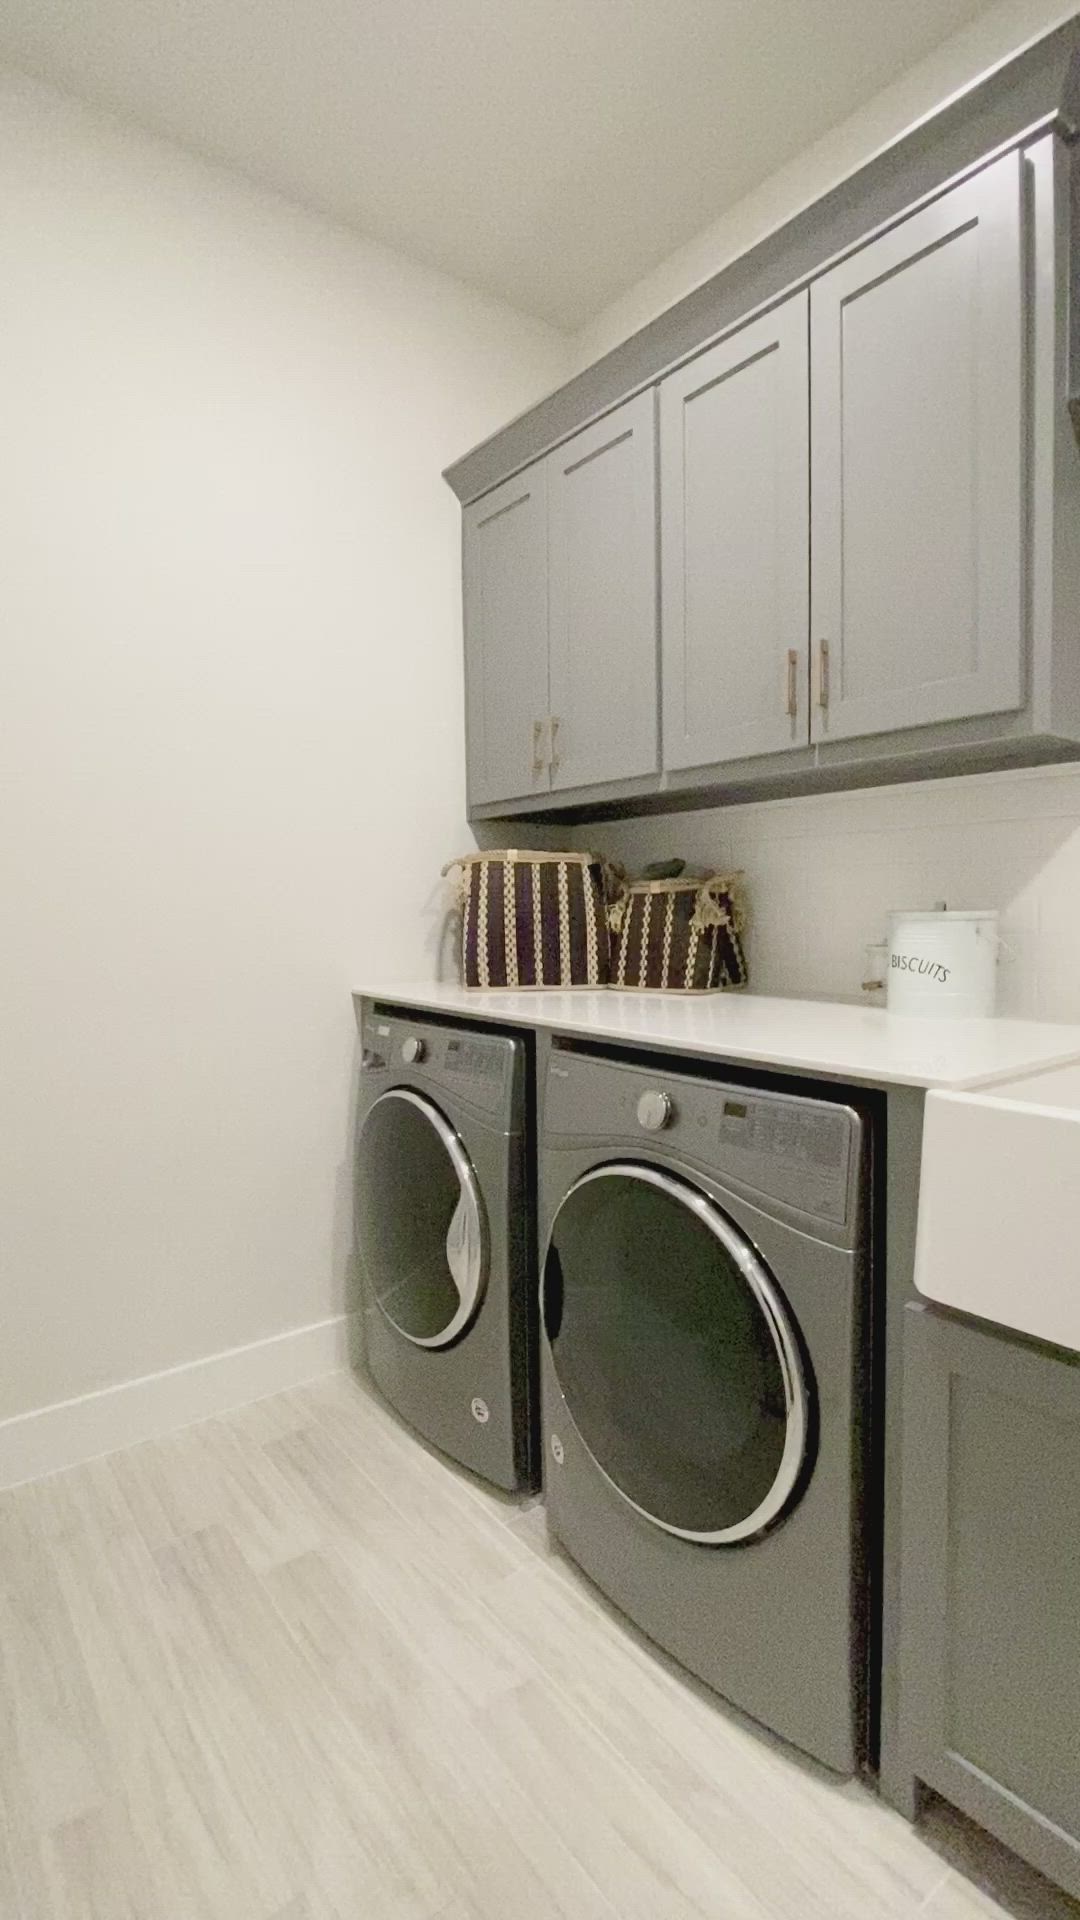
(554,759)
(793,682)
(823,674)
(538,749)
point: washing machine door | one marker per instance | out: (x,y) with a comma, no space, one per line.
(676,1354)
(420,1219)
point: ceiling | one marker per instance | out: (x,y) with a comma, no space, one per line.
(548,151)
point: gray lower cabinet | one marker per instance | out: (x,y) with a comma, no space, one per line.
(505,584)
(735,541)
(601,489)
(990,1583)
(917,416)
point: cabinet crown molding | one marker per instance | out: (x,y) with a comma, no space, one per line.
(1037,90)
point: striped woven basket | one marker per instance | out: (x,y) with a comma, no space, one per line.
(532,919)
(678,936)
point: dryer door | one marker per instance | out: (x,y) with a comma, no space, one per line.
(676,1354)
(420,1219)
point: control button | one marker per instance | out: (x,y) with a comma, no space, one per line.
(653,1110)
(413,1050)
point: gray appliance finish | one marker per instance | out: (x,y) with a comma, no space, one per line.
(706,1317)
(444,1237)
(854,472)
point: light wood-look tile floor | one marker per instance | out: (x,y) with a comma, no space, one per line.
(289,1665)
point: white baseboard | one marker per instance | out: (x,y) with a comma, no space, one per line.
(63,1435)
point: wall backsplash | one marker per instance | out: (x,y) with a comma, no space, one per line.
(822,872)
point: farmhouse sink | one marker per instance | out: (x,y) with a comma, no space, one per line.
(999,1204)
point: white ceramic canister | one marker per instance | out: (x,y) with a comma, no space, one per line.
(943,963)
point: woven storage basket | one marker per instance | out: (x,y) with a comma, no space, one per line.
(532,919)
(678,936)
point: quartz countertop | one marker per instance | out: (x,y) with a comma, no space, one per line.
(825,1037)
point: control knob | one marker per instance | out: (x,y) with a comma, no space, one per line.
(413,1050)
(654,1110)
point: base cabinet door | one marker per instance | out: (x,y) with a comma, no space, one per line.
(990,1583)
(505,581)
(917,384)
(735,544)
(602,557)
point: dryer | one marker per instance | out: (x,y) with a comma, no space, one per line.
(444,1236)
(705,1372)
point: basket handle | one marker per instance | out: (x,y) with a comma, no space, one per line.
(714,905)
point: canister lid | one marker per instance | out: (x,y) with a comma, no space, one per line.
(935,915)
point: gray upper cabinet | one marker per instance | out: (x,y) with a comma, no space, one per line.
(829,539)
(601,488)
(917,467)
(505,581)
(559,568)
(735,543)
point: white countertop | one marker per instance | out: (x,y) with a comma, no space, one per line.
(824,1037)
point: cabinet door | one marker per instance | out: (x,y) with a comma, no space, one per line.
(505,579)
(990,1583)
(917,461)
(602,545)
(735,544)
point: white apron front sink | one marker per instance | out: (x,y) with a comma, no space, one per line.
(999,1204)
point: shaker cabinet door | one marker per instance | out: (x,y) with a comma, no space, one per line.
(917,467)
(602,550)
(990,1582)
(505,577)
(735,543)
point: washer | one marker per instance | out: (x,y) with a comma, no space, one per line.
(443,1220)
(705,1378)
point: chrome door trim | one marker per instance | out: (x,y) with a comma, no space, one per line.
(466,1237)
(785,1343)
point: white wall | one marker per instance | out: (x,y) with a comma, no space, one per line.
(992,37)
(230,707)
(822,872)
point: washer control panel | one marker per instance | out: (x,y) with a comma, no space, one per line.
(798,1151)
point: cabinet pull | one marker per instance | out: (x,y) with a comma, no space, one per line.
(823,674)
(793,682)
(554,759)
(538,763)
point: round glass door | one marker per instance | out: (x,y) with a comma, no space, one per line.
(420,1219)
(675,1354)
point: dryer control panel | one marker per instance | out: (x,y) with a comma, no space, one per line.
(478,1070)
(800,1152)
